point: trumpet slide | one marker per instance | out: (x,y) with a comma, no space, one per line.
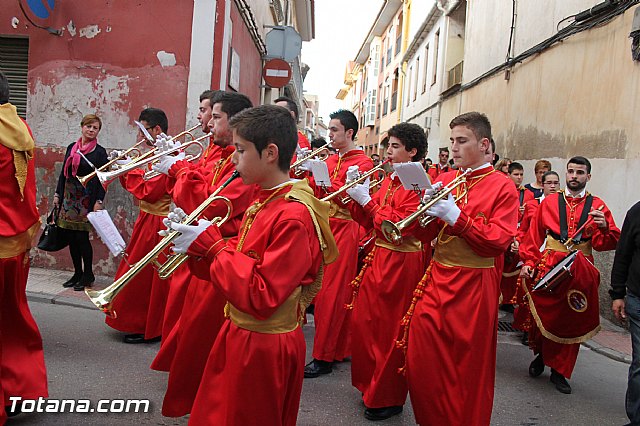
(103,299)
(392,232)
(309,156)
(353,183)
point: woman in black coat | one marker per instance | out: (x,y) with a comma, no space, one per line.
(76,201)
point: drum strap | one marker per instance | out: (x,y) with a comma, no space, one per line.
(564,227)
(522,195)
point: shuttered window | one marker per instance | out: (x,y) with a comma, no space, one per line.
(14,63)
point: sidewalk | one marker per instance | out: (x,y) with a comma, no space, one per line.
(45,286)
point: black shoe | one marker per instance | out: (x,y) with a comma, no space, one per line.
(74,280)
(18,410)
(525,338)
(78,287)
(560,382)
(139,338)
(317,368)
(87,280)
(383,413)
(536,367)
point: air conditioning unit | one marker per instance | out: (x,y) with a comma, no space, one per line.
(427,122)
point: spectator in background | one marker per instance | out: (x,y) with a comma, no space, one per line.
(317,143)
(76,201)
(625,282)
(541,167)
(550,184)
(376,159)
(503,166)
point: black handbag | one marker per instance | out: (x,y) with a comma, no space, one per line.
(53,238)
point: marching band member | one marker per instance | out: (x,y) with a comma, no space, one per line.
(442,166)
(451,354)
(332,322)
(388,278)
(558,218)
(140,306)
(202,311)
(22,369)
(258,355)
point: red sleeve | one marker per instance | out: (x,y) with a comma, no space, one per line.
(150,191)
(603,239)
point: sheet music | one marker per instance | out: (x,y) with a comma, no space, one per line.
(320,172)
(107,231)
(412,176)
(144,131)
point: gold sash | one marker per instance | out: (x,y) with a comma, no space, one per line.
(13,246)
(409,244)
(338,212)
(454,251)
(159,208)
(283,320)
(555,245)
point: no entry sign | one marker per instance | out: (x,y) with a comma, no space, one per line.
(276,73)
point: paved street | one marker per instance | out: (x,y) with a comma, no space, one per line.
(87,360)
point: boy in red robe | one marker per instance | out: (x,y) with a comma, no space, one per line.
(389,276)
(22,370)
(140,306)
(332,340)
(451,354)
(554,229)
(268,274)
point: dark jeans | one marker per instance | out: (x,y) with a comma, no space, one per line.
(632,403)
(81,251)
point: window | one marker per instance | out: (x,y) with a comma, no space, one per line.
(14,63)
(385,104)
(424,72)
(410,74)
(394,91)
(436,42)
(415,87)
(380,104)
(399,35)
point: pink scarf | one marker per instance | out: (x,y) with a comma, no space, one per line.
(74,157)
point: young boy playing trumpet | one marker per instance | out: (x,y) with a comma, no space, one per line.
(388,277)
(268,274)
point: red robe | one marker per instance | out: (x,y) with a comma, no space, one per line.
(255,378)
(561,357)
(332,340)
(383,298)
(140,306)
(436,170)
(509,281)
(202,315)
(451,355)
(22,368)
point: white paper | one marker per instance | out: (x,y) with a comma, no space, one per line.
(107,231)
(412,176)
(320,173)
(144,131)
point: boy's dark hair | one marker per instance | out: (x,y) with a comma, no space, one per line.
(155,117)
(231,102)
(515,166)
(347,119)
(291,105)
(581,161)
(445,148)
(412,136)
(267,124)
(4,89)
(549,173)
(318,142)
(477,122)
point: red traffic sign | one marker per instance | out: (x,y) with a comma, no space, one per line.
(276,73)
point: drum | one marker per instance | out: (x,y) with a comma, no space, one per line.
(557,274)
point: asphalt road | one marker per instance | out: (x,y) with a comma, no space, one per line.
(87,360)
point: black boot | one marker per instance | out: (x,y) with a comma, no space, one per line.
(317,368)
(86,281)
(73,281)
(560,382)
(382,413)
(536,367)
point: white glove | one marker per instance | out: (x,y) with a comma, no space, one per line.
(164,143)
(115,154)
(353,173)
(360,193)
(188,234)
(124,161)
(446,209)
(428,193)
(305,166)
(302,152)
(176,216)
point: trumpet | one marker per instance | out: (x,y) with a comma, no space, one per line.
(106,177)
(103,299)
(84,180)
(362,178)
(310,156)
(392,232)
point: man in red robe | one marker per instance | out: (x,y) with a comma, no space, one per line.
(385,284)
(451,354)
(140,305)
(202,316)
(22,370)
(268,274)
(442,166)
(332,322)
(556,222)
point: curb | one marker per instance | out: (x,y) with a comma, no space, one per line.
(58,300)
(608,352)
